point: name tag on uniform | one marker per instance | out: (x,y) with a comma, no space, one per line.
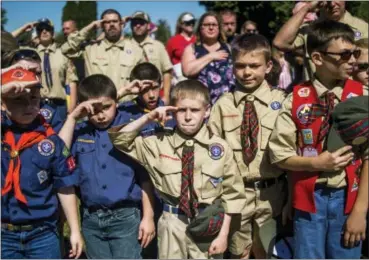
(216,181)
(88,141)
(42,176)
(307,136)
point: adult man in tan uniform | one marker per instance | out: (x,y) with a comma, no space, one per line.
(153,50)
(292,36)
(113,56)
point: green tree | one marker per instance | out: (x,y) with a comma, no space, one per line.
(359,9)
(70,11)
(4,20)
(163,33)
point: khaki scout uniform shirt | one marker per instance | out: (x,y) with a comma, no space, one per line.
(359,26)
(226,119)
(115,60)
(62,69)
(282,142)
(161,155)
(155,53)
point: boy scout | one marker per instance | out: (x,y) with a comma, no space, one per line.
(152,50)
(329,207)
(109,182)
(112,56)
(245,119)
(189,168)
(361,71)
(36,168)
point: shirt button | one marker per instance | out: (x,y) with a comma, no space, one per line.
(14,212)
(103,166)
(104,187)
(250,98)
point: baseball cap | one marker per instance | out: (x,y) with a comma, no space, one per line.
(187,18)
(19,75)
(350,124)
(44,23)
(141,15)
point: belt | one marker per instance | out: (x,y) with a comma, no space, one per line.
(175,210)
(12,227)
(262,184)
(118,205)
(54,101)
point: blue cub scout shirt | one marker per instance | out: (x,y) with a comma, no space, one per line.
(107,176)
(45,167)
(52,116)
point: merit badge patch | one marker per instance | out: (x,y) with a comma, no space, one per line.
(71,163)
(18,74)
(42,176)
(128,51)
(303,112)
(46,147)
(216,181)
(216,151)
(307,136)
(66,152)
(355,186)
(46,113)
(303,92)
(275,105)
(309,152)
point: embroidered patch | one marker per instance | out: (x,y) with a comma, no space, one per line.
(46,113)
(86,141)
(128,51)
(303,92)
(359,140)
(355,186)
(216,151)
(275,105)
(46,147)
(350,95)
(216,181)
(303,112)
(42,176)
(18,74)
(224,116)
(307,136)
(66,152)
(71,163)
(309,152)
(357,35)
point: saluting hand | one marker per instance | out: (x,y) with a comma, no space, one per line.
(335,161)
(84,109)
(16,88)
(146,231)
(29,26)
(161,113)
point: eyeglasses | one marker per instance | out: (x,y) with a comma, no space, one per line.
(345,55)
(208,25)
(252,31)
(25,54)
(362,66)
(189,23)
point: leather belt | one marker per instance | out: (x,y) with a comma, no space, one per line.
(12,227)
(118,205)
(262,184)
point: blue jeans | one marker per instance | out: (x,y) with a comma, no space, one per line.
(319,235)
(112,233)
(39,243)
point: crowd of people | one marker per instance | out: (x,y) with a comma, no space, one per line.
(218,145)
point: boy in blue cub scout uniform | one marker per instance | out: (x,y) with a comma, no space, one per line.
(36,168)
(146,78)
(110,183)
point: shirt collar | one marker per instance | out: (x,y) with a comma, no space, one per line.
(109,45)
(148,40)
(202,137)
(262,93)
(321,90)
(51,47)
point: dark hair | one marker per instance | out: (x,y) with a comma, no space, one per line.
(273,76)
(146,71)
(221,36)
(96,86)
(247,43)
(320,34)
(110,11)
(191,89)
(228,12)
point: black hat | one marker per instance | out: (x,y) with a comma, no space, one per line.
(44,23)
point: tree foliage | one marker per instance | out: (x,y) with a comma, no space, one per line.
(4,20)
(163,33)
(359,9)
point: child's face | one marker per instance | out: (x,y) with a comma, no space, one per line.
(250,69)
(361,72)
(191,114)
(332,63)
(150,97)
(104,114)
(23,108)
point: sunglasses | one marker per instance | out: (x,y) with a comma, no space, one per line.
(135,22)
(252,31)
(345,55)
(40,28)
(25,54)
(189,23)
(362,66)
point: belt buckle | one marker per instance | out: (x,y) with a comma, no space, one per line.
(10,227)
(257,185)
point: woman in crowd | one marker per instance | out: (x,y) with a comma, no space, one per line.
(209,60)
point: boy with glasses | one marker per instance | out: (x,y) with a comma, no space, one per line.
(330,205)
(361,71)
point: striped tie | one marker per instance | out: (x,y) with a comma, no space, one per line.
(328,104)
(249,132)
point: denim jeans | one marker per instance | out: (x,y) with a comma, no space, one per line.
(112,233)
(39,243)
(320,235)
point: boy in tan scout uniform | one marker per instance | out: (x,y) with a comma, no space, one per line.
(361,72)
(329,204)
(245,119)
(189,167)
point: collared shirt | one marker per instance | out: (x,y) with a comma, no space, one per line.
(45,167)
(154,52)
(63,72)
(115,60)
(282,142)
(215,172)
(226,119)
(176,46)
(52,116)
(106,175)
(134,109)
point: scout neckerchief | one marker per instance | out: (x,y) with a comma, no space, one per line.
(249,131)
(26,140)
(188,199)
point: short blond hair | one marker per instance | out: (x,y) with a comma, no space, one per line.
(191,89)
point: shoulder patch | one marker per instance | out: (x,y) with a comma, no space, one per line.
(275,105)
(303,92)
(46,113)
(46,147)
(216,151)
